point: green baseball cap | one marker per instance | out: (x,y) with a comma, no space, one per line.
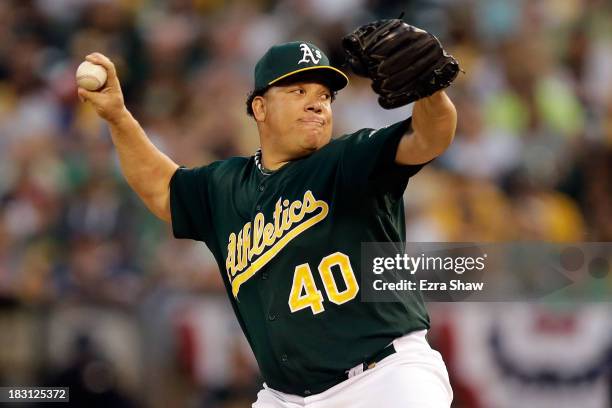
(284,60)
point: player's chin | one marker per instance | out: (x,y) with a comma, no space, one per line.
(314,138)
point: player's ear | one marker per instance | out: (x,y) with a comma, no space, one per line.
(259,108)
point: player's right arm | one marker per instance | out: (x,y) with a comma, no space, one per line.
(146,169)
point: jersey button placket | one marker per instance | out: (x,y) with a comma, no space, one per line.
(261,189)
(284,358)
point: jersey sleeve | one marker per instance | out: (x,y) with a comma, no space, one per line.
(190,204)
(369,160)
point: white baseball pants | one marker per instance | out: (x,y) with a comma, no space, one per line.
(413,377)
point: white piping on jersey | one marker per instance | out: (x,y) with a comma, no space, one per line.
(259,165)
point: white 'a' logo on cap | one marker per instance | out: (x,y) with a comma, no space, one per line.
(309,55)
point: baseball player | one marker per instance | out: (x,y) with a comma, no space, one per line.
(286,224)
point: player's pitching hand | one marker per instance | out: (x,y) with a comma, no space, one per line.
(108,101)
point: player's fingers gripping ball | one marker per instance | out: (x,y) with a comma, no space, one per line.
(405,63)
(91,76)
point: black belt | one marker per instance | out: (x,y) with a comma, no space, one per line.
(371,363)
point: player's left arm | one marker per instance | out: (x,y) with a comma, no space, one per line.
(408,64)
(434,120)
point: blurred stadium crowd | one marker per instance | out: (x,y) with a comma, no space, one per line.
(94,291)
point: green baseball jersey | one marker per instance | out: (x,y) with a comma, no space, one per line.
(288,246)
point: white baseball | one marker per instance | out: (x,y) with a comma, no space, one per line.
(90,76)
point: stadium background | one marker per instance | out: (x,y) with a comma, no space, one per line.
(96,295)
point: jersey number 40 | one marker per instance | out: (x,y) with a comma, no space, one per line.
(304,292)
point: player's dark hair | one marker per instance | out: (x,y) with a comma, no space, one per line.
(305,77)
(251,96)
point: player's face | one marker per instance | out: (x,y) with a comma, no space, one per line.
(299,115)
